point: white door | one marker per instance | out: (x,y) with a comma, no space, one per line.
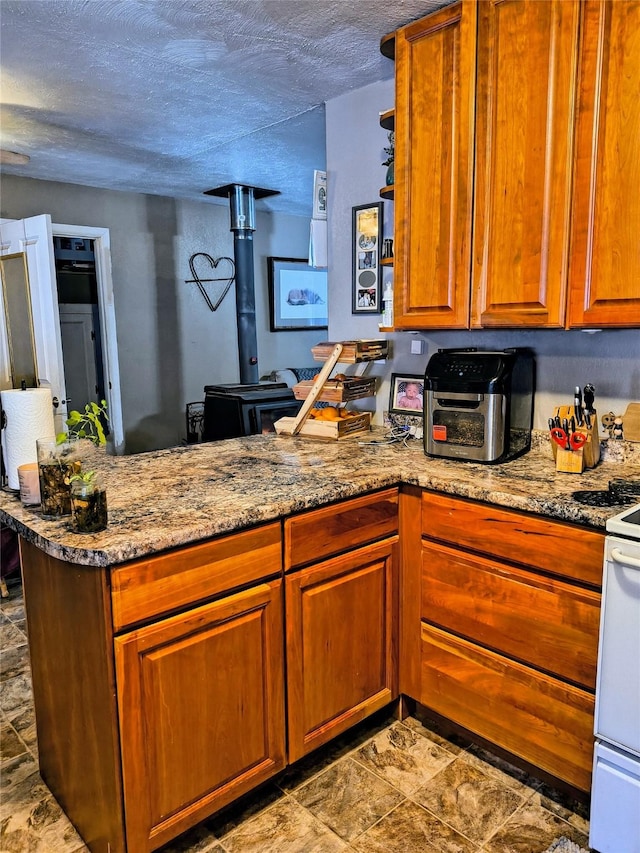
(34,237)
(79,349)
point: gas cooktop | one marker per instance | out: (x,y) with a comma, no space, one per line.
(621,492)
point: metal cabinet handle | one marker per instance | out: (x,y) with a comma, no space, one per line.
(625,559)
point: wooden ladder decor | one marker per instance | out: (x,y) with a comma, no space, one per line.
(316,390)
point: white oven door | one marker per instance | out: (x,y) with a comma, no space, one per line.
(617,712)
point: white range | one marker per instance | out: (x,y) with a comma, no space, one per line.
(615,796)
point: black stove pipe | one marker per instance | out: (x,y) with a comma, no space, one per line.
(242,206)
(243,215)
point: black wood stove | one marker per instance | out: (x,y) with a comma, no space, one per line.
(234,410)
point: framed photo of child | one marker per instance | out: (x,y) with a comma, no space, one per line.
(407,394)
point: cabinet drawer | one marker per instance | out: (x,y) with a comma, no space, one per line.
(552,546)
(334,529)
(534,716)
(159,585)
(547,623)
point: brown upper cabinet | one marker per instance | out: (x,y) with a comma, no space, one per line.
(435,92)
(604,273)
(525,66)
(517,166)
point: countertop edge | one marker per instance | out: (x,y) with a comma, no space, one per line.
(181,496)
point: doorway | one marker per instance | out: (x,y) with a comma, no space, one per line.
(87,321)
(76,282)
(34,236)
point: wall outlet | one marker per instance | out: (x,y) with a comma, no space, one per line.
(417,347)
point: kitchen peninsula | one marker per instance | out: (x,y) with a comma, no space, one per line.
(167,681)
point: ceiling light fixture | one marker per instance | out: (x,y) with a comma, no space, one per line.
(12,158)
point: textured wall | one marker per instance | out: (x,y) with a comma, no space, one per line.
(608,359)
(170,344)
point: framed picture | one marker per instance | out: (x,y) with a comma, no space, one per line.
(407,394)
(319,195)
(367,277)
(297,295)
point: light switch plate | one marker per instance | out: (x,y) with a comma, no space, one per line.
(417,347)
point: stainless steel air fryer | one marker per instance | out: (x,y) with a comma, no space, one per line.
(478,405)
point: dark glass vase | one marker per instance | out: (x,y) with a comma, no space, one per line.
(57,463)
(88,506)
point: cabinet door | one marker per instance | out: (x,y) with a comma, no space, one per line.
(605,251)
(201,706)
(435,90)
(526,80)
(341,643)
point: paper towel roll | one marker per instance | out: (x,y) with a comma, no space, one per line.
(28,416)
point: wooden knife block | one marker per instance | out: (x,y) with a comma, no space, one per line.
(588,456)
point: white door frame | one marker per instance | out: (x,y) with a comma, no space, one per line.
(102,251)
(33,236)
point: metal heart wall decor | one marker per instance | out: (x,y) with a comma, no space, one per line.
(227,280)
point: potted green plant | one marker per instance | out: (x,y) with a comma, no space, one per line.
(88,503)
(88,423)
(60,457)
(57,462)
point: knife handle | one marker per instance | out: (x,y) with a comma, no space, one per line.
(589,396)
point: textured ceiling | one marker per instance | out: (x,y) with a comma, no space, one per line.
(175,97)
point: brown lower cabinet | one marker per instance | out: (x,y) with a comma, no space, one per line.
(201,711)
(341,564)
(341,643)
(500,627)
(159,685)
(541,719)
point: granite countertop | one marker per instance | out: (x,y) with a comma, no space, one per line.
(173,497)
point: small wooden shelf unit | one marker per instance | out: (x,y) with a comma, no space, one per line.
(340,391)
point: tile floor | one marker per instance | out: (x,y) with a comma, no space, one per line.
(387,787)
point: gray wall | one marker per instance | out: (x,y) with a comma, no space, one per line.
(608,359)
(170,344)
